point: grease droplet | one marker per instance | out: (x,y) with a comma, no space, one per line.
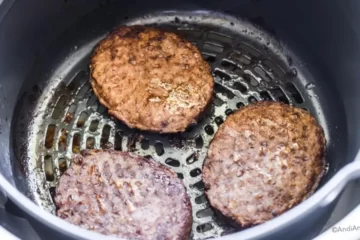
(309,86)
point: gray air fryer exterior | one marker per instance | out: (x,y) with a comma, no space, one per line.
(324,33)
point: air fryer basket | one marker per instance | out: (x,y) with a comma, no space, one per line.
(58,114)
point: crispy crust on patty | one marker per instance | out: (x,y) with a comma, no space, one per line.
(150,79)
(264,159)
(121,194)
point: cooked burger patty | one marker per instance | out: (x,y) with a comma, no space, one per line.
(151,79)
(117,193)
(264,159)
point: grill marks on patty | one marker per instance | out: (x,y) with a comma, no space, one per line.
(121,194)
(151,79)
(264,159)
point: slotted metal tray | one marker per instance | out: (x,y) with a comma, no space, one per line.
(248,66)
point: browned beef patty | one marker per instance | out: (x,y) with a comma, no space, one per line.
(151,79)
(117,193)
(264,159)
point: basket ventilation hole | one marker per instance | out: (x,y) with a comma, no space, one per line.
(252,99)
(229,65)
(172,162)
(240,87)
(101,109)
(218,102)
(191,159)
(132,140)
(265,96)
(199,142)
(295,94)
(271,66)
(145,144)
(209,129)
(52,191)
(216,48)
(250,80)
(195,172)
(228,112)
(49,168)
(248,50)
(199,185)
(227,93)
(62,144)
(240,58)
(279,95)
(204,227)
(218,37)
(76,143)
(200,199)
(262,74)
(105,137)
(193,34)
(62,165)
(82,119)
(118,141)
(159,148)
(219,121)
(180,175)
(209,58)
(70,114)
(240,105)
(207,212)
(94,125)
(83,91)
(92,101)
(79,78)
(60,106)
(222,75)
(49,139)
(90,143)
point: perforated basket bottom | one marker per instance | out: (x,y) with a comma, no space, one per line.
(247,67)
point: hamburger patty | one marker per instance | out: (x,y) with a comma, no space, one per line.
(264,159)
(151,79)
(117,193)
